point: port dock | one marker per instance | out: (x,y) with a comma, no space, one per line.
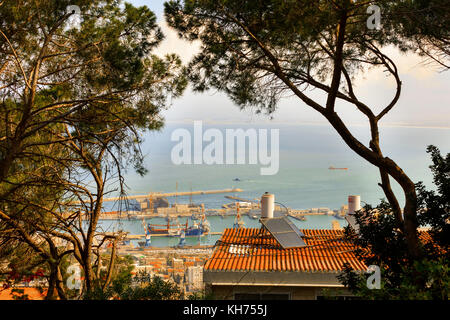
(172,194)
(241,199)
(144,199)
(141,236)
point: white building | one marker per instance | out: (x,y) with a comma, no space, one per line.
(143,268)
(194,278)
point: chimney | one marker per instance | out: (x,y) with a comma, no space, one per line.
(267,205)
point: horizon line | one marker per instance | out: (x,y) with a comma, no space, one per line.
(274,122)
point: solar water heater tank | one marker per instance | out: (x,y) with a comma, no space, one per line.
(267,205)
(354,204)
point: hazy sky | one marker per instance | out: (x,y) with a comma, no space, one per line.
(425,98)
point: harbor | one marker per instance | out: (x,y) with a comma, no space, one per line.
(177,245)
(168,221)
(156,205)
(218,224)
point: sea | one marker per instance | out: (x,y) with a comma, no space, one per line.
(303,180)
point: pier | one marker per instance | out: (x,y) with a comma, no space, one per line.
(141,236)
(172,194)
(154,195)
(297,217)
(241,199)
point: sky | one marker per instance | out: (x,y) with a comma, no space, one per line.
(424,102)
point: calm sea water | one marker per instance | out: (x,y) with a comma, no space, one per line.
(303,180)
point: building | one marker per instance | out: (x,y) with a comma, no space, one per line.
(177,263)
(143,269)
(174,209)
(249,263)
(194,278)
(335,225)
(344,210)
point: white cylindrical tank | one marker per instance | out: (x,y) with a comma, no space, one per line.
(354,204)
(267,205)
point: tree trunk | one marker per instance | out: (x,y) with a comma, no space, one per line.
(88,273)
(52,284)
(410,221)
(392,199)
(386,165)
(60,285)
(111,265)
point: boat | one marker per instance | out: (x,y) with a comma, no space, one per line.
(333,168)
(161,229)
(339,216)
(252,216)
(236,179)
(197,229)
(175,230)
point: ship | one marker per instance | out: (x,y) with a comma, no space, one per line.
(333,168)
(170,230)
(197,229)
(339,216)
(175,230)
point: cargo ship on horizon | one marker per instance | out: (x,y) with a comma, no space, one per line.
(334,168)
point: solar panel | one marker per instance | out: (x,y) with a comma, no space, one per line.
(278,214)
(285,232)
(352,222)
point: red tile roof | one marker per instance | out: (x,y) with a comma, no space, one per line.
(29,293)
(255,249)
